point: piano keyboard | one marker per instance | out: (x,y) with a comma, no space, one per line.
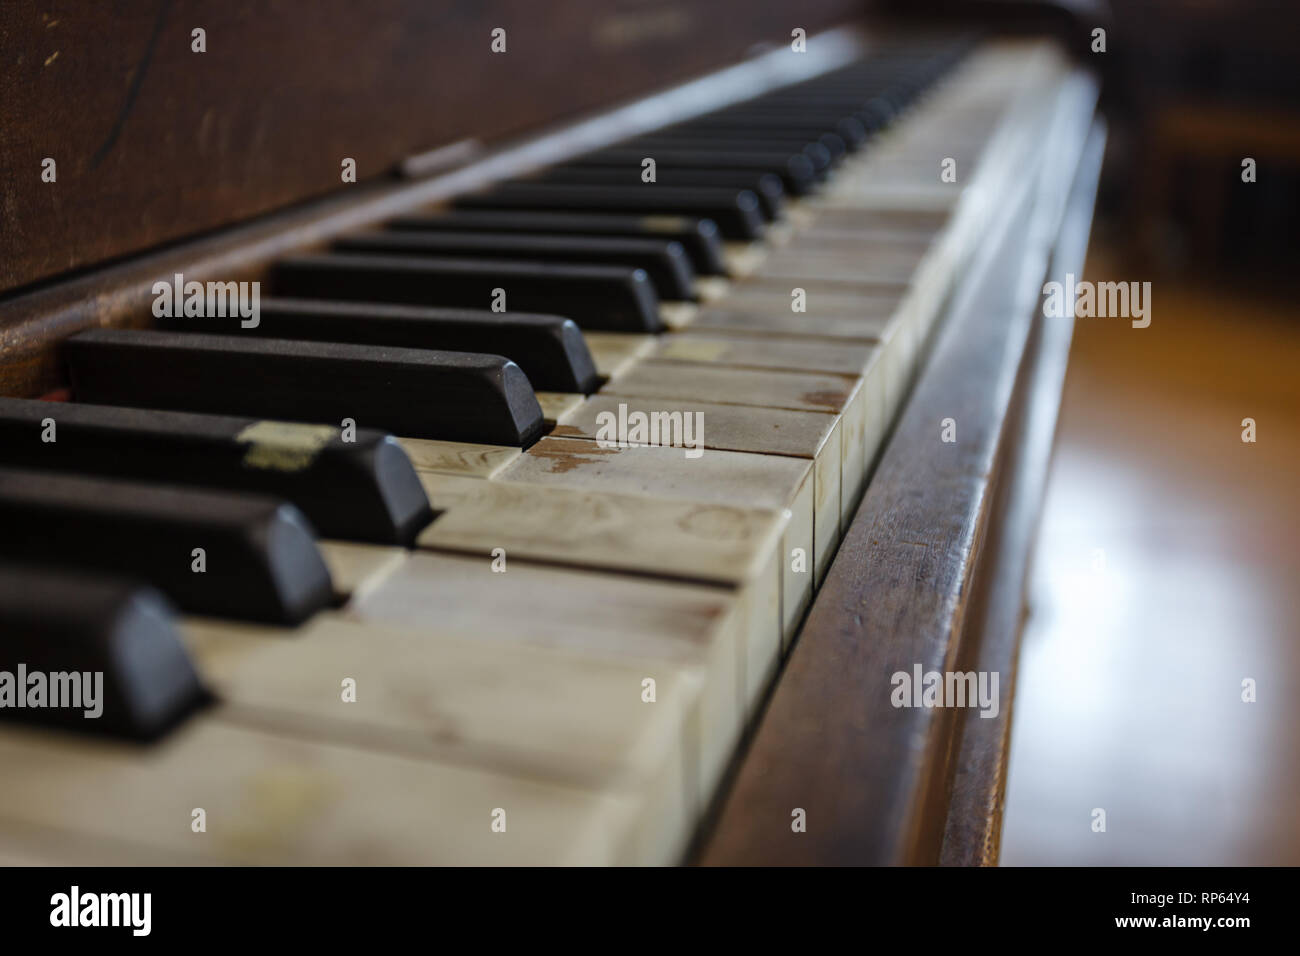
(364,582)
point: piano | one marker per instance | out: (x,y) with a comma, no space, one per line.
(488,435)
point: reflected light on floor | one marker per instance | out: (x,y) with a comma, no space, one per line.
(1166,573)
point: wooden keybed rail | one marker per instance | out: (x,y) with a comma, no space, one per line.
(974,814)
(930,572)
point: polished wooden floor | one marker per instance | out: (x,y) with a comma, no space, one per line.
(1167,572)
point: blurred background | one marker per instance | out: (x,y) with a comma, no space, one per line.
(1167,568)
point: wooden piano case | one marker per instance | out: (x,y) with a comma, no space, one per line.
(931,570)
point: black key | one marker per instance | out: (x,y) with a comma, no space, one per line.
(108,651)
(699,237)
(549,348)
(735,211)
(823,150)
(872,113)
(415,393)
(722,126)
(259,556)
(766,186)
(860,83)
(666,263)
(611,298)
(895,94)
(363,490)
(795,169)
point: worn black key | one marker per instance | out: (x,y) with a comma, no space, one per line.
(415,393)
(796,170)
(734,210)
(699,237)
(665,262)
(107,651)
(549,348)
(766,186)
(610,298)
(258,556)
(362,490)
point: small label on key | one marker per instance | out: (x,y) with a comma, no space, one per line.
(281,446)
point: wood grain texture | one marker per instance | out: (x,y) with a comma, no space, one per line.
(154,141)
(458,458)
